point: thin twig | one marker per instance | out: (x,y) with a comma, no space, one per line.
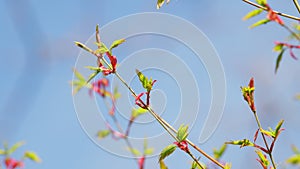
(161,121)
(121,131)
(165,124)
(278,13)
(195,159)
(297,5)
(265,141)
(292,32)
(188,141)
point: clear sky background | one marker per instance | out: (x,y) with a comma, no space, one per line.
(38,54)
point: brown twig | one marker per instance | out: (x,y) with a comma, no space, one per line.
(161,121)
(297,5)
(265,141)
(278,13)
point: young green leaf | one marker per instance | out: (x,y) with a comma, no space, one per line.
(78,84)
(143,79)
(2,152)
(269,132)
(137,112)
(294,160)
(92,76)
(148,151)
(103,133)
(277,129)
(93,68)
(262,2)
(78,75)
(167,151)
(147,84)
(278,47)
(197,166)
(242,143)
(162,165)
(134,151)
(220,152)
(295,149)
(227,166)
(116,93)
(32,156)
(116,44)
(182,132)
(263,159)
(278,60)
(260,22)
(81,45)
(159,3)
(102,49)
(15,147)
(253,13)
(194,165)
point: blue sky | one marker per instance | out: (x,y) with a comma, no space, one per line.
(36,104)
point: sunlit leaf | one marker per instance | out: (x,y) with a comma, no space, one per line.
(143,79)
(253,13)
(278,60)
(32,156)
(182,132)
(162,165)
(278,47)
(15,147)
(260,22)
(295,149)
(194,165)
(101,48)
(78,84)
(103,133)
(220,152)
(262,2)
(134,151)
(93,68)
(116,93)
(227,166)
(149,151)
(78,75)
(294,160)
(2,152)
(76,89)
(242,143)
(167,151)
(93,75)
(269,132)
(277,129)
(138,111)
(263,159)
(116,43)
(81,45)
(159,3)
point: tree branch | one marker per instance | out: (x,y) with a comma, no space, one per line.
(297,5)
(278,13)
